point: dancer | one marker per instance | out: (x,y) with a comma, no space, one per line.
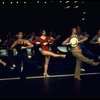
(85,51)
(96,38)
(45,42)
(21,45)
(74,40)
(95,41)
(1,61)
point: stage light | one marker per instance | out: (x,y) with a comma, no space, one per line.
(37,1)
(67,2)
(67,7)
(83,19)
(84,12)
(76,6)
(45,2)
(24,2)
(60,1)
(11,2)
(75,1)
(17,2)
(3,2)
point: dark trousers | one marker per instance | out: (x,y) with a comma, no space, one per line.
(88,53)
(22,60)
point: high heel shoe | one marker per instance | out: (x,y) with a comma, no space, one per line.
(45,75)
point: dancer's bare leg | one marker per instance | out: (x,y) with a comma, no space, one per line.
(2,62)
(48,53)
(47,59)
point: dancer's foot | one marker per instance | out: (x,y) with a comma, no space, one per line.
(13,66)
(63,56)
(45,75)
(95,63)
(77,78)
(4,64)
(82,70)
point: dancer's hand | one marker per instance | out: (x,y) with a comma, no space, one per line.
(99,40)
(45,43)
(23,47)
(78,42)
(0,40)
(37,42)
(69,43)
(97,43)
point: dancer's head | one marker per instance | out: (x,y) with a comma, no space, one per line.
(74,31)
(78,29)
(98,33)
(43,32)
(20,35)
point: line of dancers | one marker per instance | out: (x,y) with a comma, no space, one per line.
(20,45)
(77,52)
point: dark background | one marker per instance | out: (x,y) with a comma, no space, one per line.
(33,16)
(54,17)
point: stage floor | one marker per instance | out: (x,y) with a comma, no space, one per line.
(53,87)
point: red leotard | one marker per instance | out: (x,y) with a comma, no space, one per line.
(42,41)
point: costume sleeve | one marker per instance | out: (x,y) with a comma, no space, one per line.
(36,40)
(94,40)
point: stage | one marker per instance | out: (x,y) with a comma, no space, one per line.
(58,19)
(53,87)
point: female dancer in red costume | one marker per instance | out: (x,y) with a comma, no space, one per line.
(45,42)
